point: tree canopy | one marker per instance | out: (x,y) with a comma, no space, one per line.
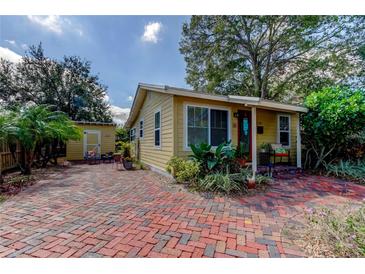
(67,84)
(274,57)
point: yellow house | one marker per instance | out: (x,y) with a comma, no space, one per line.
(165,120)
(95,136)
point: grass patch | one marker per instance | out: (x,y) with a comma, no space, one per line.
(333,232)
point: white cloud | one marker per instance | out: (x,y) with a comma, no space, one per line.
(55,23)
(151,32)
(9,55)
(120,115)
(51,22)
(130,98)
(11,42)
(106,98)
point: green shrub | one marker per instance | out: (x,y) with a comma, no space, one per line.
(210,160)
(262,179)
(348,170)
(183,170)
(219,182)
(2,198)
(125,148)
(334,114)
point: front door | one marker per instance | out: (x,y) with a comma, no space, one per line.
(92,141)
(244,131)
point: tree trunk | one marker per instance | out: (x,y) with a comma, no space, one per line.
(28,163)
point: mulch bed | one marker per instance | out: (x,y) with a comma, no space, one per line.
(15,182)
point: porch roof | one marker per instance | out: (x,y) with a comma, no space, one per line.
(245,100)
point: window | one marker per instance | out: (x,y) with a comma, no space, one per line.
(197,125)
(206,125)
(158,128)
(284,130)
(133,134)
(218,126)
(141,132)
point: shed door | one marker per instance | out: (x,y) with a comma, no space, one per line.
(92,141)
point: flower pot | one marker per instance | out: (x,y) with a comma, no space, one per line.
(128,165)
(251,183)
(241,161)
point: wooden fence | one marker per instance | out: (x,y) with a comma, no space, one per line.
(6,159)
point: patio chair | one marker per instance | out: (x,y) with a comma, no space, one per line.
(277,150)
(107,157)
(92,157)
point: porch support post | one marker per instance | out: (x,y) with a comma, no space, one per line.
(253,132)
(299,145)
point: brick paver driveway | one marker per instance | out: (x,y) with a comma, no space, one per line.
(96,211)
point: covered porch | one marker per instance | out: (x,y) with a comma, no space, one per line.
(271,128)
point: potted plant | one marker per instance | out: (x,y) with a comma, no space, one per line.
(264,147)
(128,163)
(251,182)
(127,159)
(240,155)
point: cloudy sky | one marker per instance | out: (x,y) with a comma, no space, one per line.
(124,50)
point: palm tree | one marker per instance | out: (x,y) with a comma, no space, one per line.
(38,125)
(34,126)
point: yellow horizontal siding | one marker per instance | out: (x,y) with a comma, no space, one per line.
(75,149)
(149,154)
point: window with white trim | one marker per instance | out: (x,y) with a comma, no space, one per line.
(206,125)
(132,134)
(284,130)
(158,128)
(141,128)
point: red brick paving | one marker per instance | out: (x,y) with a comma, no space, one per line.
(96,211)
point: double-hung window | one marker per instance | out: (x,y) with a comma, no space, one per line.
(206,125)
(132,134)
(158,128)
(284,130)
(141,128)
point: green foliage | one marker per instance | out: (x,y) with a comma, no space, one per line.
(183,170)
(219,182)
(275,57)
(7,126)
(125,148)
(332,110)
(265,146)
(211,160)
(262,179)
(34,126)
(334,115)
(67,84)
(339,233)
(348,170)
(2,198)
(240,151)
(38,124)
(121,134)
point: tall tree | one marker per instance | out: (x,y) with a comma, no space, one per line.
(275,57)
(67,84)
